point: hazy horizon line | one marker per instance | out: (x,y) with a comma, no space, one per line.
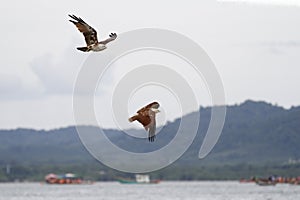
(115,128)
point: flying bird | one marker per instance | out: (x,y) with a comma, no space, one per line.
(90,36)
(146,116)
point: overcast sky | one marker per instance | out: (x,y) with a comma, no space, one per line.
(254,45)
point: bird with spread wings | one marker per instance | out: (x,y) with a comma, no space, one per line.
(90,36)
(146,116)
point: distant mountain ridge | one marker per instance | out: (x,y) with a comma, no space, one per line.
(254,132)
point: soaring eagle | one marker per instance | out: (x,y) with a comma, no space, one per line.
(90,36)
(146,116)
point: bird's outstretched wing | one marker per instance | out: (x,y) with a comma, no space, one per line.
(89,32)
(147,107)
(112,37)
(147,119)
(146,116)
(152,126)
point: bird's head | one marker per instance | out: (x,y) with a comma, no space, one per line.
(155,110)
(154,105)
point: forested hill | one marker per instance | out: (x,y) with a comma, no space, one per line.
(254,132)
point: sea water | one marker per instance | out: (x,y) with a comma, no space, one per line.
(206,190)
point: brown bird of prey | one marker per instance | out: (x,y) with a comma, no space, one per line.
(90,36)
(146,116)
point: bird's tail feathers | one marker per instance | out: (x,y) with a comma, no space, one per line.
(133,118)
(84,49)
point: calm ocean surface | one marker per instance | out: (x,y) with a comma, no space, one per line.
(164,191)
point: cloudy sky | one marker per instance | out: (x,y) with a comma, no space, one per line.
(254,44)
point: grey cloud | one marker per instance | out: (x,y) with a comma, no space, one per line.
(57,76)
(14,87)
(10,86)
